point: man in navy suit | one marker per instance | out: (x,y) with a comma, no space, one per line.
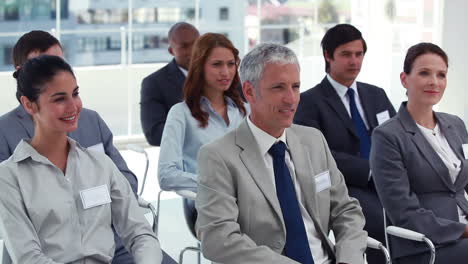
(163,88)
(346,112)
(92,132)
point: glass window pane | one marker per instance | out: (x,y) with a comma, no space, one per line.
(93,48)
(100,14)
(150,46)
(25,15)
(6,48)
(7,82)
(151,25)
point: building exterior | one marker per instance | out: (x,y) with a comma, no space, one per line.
(98,32)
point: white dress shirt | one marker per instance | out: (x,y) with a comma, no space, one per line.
(43,215)
(441,146)
(184,71)
(342,90)
(265,141)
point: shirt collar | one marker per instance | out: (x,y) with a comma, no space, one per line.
(265,140)
(24,150)
(340,89)
(205,102)
(184,71)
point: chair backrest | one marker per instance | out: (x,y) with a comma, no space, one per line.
(4,257)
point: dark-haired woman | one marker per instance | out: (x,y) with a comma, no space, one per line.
(58,199)
(419,164)
(212,107)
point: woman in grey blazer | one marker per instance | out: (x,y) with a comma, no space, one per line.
(419,165)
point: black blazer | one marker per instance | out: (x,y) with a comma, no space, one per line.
(414,184)
(321,107)
(159,92)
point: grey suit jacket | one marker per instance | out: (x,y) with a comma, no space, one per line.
(239,216)
(17,124)
(414,184)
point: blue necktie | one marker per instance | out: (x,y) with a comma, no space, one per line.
(297,244)
(363,134)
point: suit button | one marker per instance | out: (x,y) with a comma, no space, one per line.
(452,195)
(277,245)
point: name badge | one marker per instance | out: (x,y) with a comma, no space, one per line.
(382,117)
(95,196)
(465,150)
(322,181)
(98,147)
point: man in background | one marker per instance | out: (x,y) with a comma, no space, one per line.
(163,88)
(347,111)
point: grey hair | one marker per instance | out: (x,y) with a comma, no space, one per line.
(253,64)
(178,26)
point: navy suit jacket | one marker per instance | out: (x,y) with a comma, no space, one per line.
(414,184)
(321,107)
(159,92)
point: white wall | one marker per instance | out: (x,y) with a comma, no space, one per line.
(455,43)
(112,91)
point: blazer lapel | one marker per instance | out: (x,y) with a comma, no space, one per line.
(253,161)
(176,77)
(25,120)
(304,172)
(424,147)
(455,143)
(336,104)
(368,105)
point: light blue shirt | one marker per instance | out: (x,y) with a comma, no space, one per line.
(183,137)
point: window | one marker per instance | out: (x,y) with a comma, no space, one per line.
(224,13)
(9,10)
(7,51)
(63,9)
(190,13)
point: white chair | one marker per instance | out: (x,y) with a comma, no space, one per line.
(410,235)
(142,202)
(375,244)
(189,195)
(156,210)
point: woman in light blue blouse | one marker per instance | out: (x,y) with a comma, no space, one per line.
(212,107)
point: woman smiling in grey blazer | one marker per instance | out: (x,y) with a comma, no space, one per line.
(419,166)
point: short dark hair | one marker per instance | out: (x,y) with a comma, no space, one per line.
(339,35)
(420,49)
(177,26)
(31,41)
(38,71)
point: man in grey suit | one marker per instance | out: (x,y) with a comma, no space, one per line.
(92,132)
(346,122)
(270,191)
(163,88)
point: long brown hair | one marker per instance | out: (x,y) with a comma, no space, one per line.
(196,80)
